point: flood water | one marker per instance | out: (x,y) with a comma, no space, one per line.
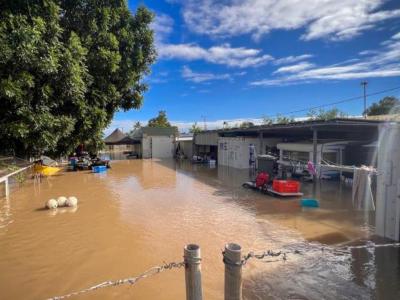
(141,213)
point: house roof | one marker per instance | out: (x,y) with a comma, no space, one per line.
(340,128)
(116,136)
(155,131)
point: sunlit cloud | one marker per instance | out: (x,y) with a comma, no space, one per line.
(384,62)
(330,19)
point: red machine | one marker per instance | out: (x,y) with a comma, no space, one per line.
(262,179)
(261,183)
(285,188)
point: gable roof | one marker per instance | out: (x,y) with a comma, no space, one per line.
(116,136)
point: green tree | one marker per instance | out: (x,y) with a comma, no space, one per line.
(195,128)
(65,68)
(267,120)
(283,120)
(387,105)
(246,124)
(160,121)
(136,126)
(322,114)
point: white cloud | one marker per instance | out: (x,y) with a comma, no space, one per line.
(333,19)
(291,59)
(396,36)
(189,75)
(162,26)
(384,62)
(294,68)
(223,54)
(183,126)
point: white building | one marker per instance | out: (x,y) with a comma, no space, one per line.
(235,151)
(156,142)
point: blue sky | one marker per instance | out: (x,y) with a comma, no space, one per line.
(232,60)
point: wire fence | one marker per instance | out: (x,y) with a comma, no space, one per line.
(131,280)
(281,255)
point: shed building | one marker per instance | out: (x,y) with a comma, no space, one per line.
(156,142)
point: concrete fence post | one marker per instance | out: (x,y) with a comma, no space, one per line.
(233,271)
(192,259)
(7,187)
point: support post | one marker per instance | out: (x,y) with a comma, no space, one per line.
(315,150)
(233,271)
(7,187)
(192,259)
(262,148)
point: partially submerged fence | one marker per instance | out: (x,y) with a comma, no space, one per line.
(233,260)
(11,166)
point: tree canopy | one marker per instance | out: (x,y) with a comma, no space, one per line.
(246,124)
(195,128)
(283,120)
(322,114)
(387,105)
(65,68)
(160,121)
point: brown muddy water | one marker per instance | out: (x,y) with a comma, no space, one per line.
(141,213)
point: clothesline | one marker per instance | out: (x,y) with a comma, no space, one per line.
(331,166)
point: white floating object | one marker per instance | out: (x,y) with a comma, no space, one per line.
(62,201)
(72,202)
(51,204)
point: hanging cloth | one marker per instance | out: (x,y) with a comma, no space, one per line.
(362,193)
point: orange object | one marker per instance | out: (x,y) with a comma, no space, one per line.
(286,186)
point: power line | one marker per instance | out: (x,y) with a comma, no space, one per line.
(336,102)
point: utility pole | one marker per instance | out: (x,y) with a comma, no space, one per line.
(204,122)
(364,84)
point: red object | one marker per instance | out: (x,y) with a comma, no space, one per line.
(262,178)
(286,186)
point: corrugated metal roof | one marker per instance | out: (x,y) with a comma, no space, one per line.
(156,131)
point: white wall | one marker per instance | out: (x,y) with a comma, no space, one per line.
(162,146)
(234,151)
(388,180)
(146,146)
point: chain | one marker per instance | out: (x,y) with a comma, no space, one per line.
(131,280)
(271,253)
(261,256)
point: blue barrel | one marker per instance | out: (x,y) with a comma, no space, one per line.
(99,169)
